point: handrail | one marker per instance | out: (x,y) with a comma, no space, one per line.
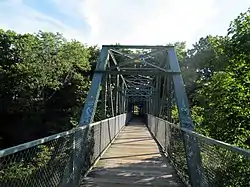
(209,140)
(212,141)
(60,159)
(21,147)
(221,164)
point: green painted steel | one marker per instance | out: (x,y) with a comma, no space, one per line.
(151,79)
(192,149)
(93,95)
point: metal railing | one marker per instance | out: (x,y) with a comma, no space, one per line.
(223,164)
(48,161)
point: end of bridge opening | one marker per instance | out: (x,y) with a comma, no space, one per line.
(136,114)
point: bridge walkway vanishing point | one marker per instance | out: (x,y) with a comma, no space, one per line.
(133,159)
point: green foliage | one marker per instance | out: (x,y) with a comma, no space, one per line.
(226,109)
(225,96)
(175,114)
(216,73)
(180,48)
(200,63)
(43,85)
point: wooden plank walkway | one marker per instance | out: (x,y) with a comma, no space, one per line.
(132,160)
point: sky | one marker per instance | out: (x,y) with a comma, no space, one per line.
(141,22)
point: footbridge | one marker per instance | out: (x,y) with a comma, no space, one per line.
(126,135)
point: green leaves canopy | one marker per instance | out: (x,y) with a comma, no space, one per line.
(43,85)
(218,83)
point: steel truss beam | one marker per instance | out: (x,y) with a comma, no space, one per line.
(153,80)
(140,59)
(192,149)
(137,46)
(137,71)
(88,111)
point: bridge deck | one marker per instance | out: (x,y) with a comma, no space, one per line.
(132,160)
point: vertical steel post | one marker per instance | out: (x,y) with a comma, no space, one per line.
(117,95)
(158,95)
(191,145)
(93,95)
(73,169)
(104,97)
(163,97)
(111,93)
(126,101)
(121,99)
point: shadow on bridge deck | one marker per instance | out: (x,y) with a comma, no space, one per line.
(132,160)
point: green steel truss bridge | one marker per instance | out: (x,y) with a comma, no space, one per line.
(136,143)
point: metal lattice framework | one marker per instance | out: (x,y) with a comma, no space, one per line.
(146,76)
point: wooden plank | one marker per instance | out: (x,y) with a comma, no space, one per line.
(132,160)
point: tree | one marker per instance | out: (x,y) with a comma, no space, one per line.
(225,95)
(43,84)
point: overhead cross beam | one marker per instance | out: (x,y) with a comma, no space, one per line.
(137,46)
(139,58)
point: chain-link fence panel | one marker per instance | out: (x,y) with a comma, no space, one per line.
(171,142)
(58,159)
(40,164)
(176,151)
(222,164)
